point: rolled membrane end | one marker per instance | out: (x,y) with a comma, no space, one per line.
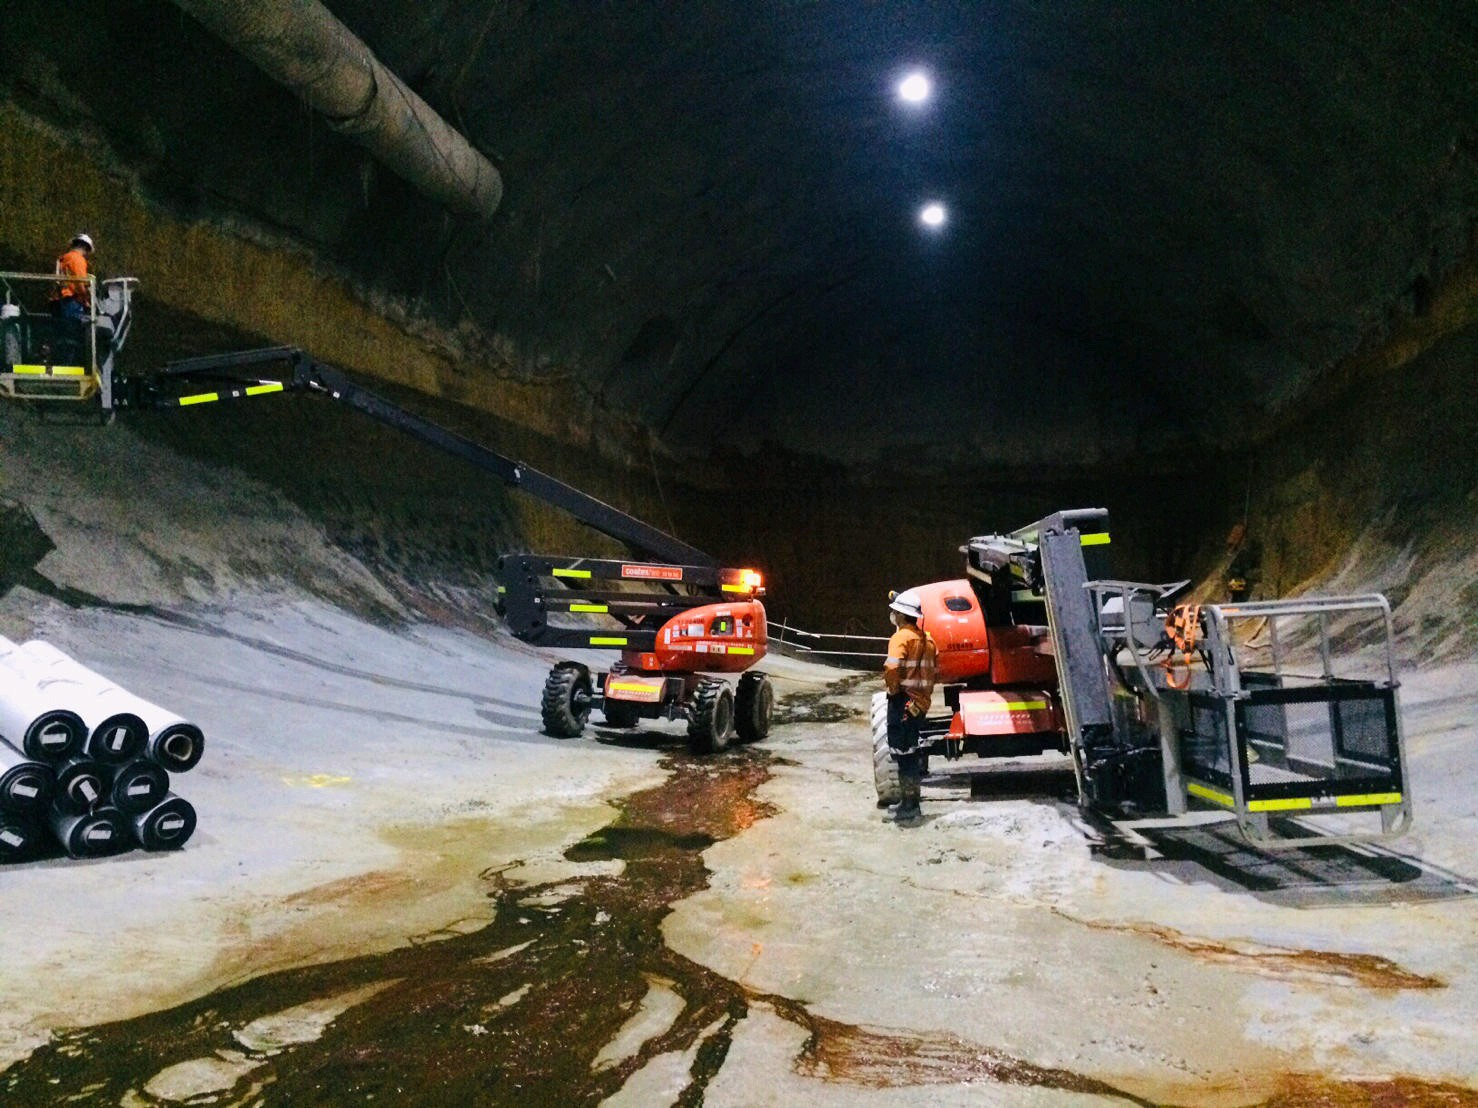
(138,786)
(55,736)
(177,747)
(166,826)
(91,835)
(119,738)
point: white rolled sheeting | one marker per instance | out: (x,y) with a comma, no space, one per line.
(172,741)
(33,722)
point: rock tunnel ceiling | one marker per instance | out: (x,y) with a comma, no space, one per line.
(1162,218)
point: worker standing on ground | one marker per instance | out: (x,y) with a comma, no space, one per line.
(73,298)
(908,675)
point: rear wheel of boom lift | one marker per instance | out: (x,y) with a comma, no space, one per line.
(884,768)
(566,703)
(753,707)
(618,713)
(712,721)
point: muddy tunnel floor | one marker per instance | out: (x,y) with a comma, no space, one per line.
(530,1008)
(518,1011)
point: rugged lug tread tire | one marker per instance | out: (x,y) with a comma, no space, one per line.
(618,713)
(884,768)
(564,716)
(753,707)
(712,723)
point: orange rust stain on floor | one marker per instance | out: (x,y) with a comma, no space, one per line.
(1369,970)
(1308,1091)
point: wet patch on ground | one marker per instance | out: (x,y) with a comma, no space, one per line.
(821,706)
(518,1010)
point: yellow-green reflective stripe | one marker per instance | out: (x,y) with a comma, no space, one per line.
(1095,540)
(1010,706)
(1020,595)
(1368,798)
(199,398)
(599,641)
(570,572)
(631,686)
(1210,794)
(741,650)
(55,371)
(257,390)
(1286,805)
(502,588)
(589,608)
(736,588)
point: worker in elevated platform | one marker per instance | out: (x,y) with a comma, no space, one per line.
(908,674)
(72,299)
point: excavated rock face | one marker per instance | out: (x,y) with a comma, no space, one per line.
(1167,226)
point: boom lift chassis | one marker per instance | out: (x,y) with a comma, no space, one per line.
(1206,719)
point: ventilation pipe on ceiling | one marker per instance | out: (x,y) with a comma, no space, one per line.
(302,45)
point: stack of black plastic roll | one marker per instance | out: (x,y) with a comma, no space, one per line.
(85,764)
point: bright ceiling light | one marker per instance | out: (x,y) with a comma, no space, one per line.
(914,89)
(933,214)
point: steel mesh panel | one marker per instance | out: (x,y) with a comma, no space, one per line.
(1364,730)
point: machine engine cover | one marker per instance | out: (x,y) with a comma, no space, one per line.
(715,638)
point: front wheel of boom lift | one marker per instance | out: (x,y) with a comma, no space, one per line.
(753,707)
(712,721)
(884,768)
(566,703)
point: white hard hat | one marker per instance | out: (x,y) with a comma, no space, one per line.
(84,238)
(907,603)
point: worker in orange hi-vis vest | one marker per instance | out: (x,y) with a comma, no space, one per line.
(73,299)
(908,675)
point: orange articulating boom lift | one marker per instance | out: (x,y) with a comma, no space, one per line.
(682,619)
(1262,711)
(680,625)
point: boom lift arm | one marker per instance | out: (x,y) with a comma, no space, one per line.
(228,376)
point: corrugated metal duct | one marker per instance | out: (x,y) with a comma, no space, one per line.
(301,44)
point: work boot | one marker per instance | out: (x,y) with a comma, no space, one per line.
(908,810)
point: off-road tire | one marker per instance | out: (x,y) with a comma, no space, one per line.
(711,724)
(884,768)
(566,703)
(753,707)
(618,713)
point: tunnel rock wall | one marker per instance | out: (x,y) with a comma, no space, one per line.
(1376,488)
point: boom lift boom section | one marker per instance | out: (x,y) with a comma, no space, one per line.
(229,380)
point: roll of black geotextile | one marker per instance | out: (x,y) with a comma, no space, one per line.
(81,784)
(94,834)
(26,785)
(177,746)
(19,838)
(167,825)
(138,786)
(117,738)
